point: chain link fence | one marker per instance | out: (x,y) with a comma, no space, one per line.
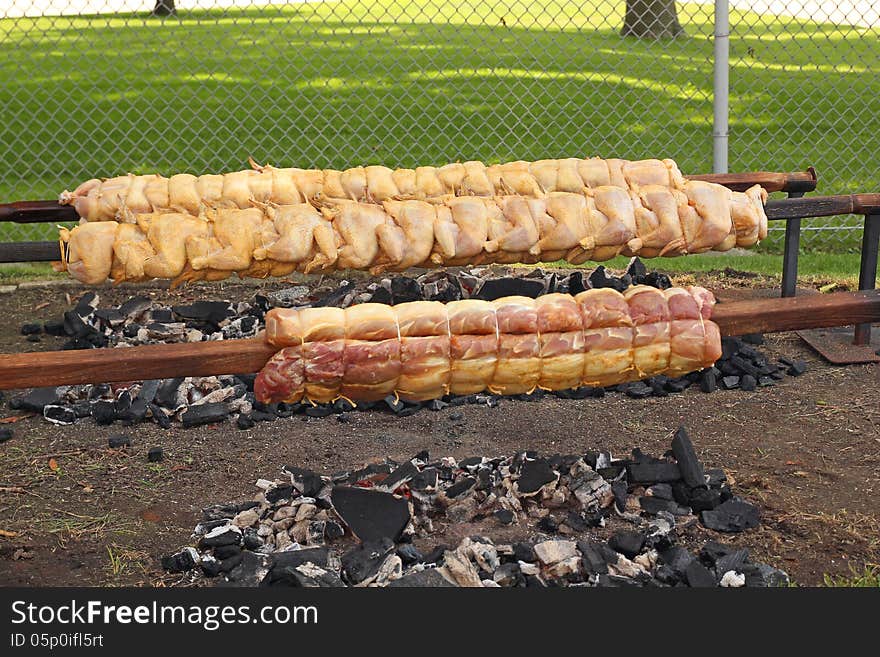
(96,88)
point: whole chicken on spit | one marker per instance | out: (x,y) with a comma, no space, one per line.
(426,349)
(97,200)
(268,239)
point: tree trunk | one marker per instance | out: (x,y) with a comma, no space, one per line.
(651,19)
(163,8)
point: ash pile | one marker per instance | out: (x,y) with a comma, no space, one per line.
(572,520)
(195,401)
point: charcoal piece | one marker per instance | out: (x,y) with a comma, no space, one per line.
(76,327)
(251,540)
(54,327)
(765,381)
(381,295)
(744,365)
(704,499)
(524,552)
(224,534)
(548,524)
(595,557)
(661,491)
(677,385)
(409,554)
(5,434)
(280,492)
(495,288)
(600,278)
(436,405)
(370,515)
(31,328)
(619,489)
(576,522)
(424,480)
(404,289)
(159,416)
(534,475)
(333,530)
(698,576)
(576,283)
(211,312)
(652,472)
(797,368)
(688,462)
(504,516)
(427,578)
(225,551)
(336,297)
(636,270)
(730,346)
(57,414)
(732,516)
(409,408)
(730,382)
(762,575)
(655,505)
(135,306)
(104,411)
(628,543)
(612,472)
(753,338)
(155,454)
(364,561)
(748,383)
(484,479)
(400,476)
(715,477)
(180,562)
(321,410)
(204,414)
(659,280)
(247,380)
(308,482)
(244,421)
(131,330)
(708,381)
(460,487)
(263,416)
(118,441)
(210,566)
(733,560)
(677,558)
(658,386)
(36,400)
(166,393)
(284,410)
(637,390)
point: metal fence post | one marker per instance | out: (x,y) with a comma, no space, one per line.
(720,95)
(868,269)
(790,253)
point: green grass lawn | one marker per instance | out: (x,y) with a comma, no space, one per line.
(404,82)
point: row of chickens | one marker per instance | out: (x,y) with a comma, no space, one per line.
(97,200)
(426,349)
(268,239)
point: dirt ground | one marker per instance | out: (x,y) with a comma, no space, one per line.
(74,512)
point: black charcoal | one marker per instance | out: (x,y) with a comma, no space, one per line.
(104,411)
(731,516)
(651,472)
(698,576)
(370,515)
(495,288)
(31,328)
(180,562)
(59,414)
(364,561)
(534,475)
(204,414)
(688,462)
(5,434)
(155,454)
(628,543)
(118,441)
(36,400)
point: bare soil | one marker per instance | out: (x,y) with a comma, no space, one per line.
(74,512)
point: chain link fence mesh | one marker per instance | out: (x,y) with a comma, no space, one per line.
(96,88)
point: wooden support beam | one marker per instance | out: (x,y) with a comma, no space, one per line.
(243,356)
(797,182)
